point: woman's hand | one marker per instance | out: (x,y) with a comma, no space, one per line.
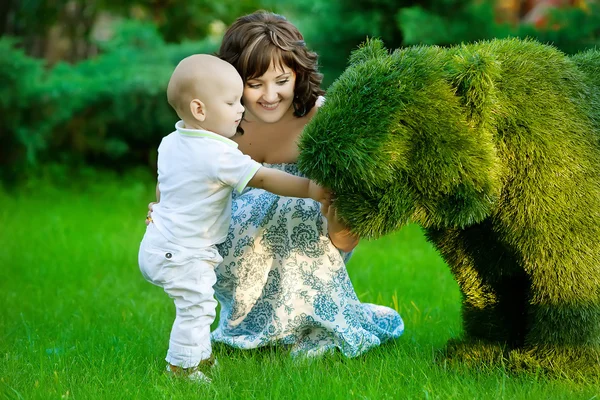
(319,193)
(339,233)
(149,215)
(150,205)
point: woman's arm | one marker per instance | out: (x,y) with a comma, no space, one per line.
(339,234)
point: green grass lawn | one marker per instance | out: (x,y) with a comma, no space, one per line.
(77,320)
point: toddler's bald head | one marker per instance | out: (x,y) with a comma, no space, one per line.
(199,76)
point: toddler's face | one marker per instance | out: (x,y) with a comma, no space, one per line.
(224,109)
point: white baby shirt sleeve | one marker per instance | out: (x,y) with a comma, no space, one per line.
(235,169)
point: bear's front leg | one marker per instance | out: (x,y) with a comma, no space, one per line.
(494,291)
(564,320)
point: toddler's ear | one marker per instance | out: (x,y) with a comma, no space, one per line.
(198,110)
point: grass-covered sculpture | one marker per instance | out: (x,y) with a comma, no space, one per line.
(494,148)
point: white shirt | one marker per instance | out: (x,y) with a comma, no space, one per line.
(197,171)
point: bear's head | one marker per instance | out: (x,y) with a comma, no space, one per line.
(397,141)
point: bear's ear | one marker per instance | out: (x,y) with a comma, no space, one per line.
(368,50)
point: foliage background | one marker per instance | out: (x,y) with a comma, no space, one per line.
(82,82)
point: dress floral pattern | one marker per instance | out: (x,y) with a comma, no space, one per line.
(283,282)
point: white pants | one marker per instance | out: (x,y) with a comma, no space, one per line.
(187,276)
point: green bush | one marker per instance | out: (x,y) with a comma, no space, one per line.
(20,76)
(109,110)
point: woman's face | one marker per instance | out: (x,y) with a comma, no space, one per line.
(269,97)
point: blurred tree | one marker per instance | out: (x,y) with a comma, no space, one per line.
(68,24)
(571,29)
(448,22)
(40,22)
(178,20)
(535,12)
(334,29)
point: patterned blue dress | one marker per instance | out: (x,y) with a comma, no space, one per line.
(282,282)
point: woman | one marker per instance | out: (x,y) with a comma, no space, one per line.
(283,279)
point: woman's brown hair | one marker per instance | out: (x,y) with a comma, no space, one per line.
(253,41)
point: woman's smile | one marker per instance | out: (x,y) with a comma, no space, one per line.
(269,106)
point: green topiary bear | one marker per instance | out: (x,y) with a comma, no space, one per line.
(494,148)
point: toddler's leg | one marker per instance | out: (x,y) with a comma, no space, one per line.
(192,291)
